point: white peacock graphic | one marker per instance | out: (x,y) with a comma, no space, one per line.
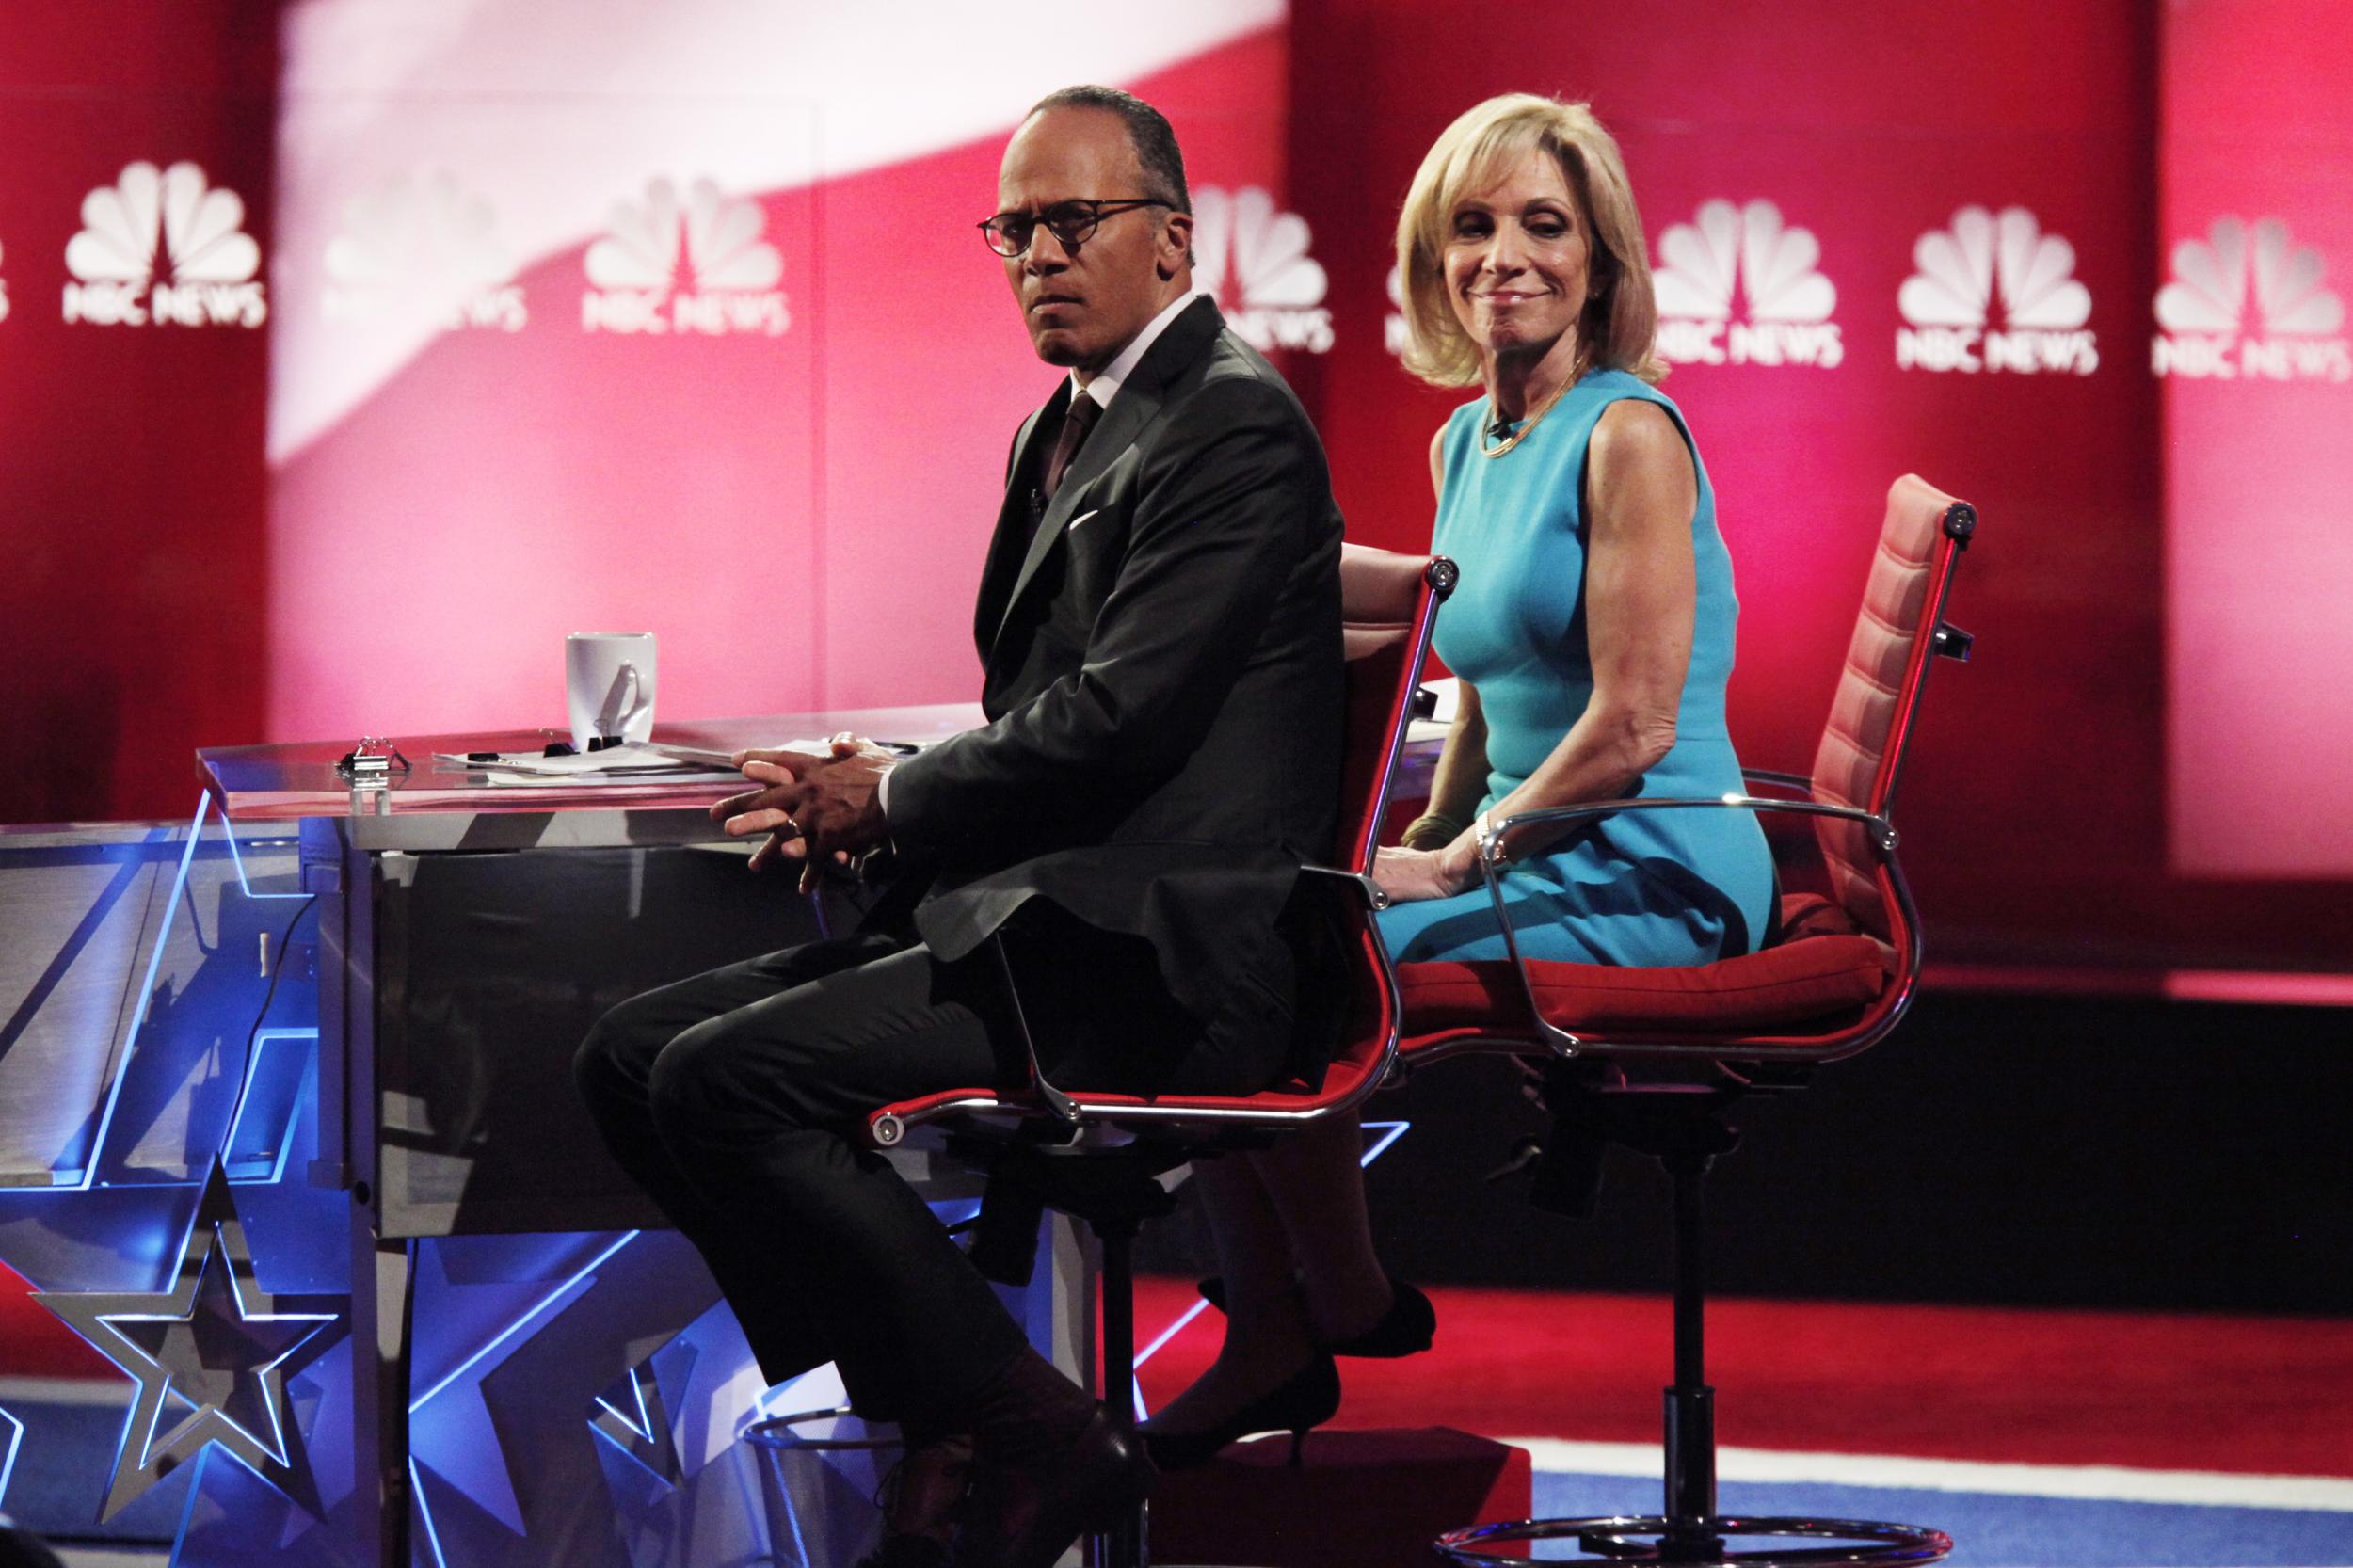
(1272,269)
(1773,264)
(417,228)
(1961,268)
(640,250)
(2208,293)
(198,227)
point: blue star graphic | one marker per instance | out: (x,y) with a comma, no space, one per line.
(212,1353)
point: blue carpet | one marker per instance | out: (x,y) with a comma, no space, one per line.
(2003,1530)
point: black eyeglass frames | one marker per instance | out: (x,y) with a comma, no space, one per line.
(1073,222)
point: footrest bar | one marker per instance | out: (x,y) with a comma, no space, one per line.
(1628,1539)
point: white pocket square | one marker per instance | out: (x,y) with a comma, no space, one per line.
(1079,519)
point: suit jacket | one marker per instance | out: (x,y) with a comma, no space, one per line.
(1163,680)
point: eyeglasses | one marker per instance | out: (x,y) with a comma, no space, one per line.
(1073,222)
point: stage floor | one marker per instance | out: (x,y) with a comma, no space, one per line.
(2079,1439)
(2076,1439)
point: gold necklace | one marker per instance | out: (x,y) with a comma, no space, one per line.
(1528,424)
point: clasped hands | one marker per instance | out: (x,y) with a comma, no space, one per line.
(818,811)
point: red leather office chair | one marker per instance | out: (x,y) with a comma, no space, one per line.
(1654,1058)
(1098,1155)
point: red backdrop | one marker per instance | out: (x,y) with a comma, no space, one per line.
(133,589)
(2148,766)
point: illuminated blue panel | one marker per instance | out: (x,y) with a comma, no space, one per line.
(633,1415)
(425,1512)
(280,1074)
(545,1302)
(82,1178)
(229,831)
(8,1455)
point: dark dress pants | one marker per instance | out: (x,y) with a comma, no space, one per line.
(736,1099)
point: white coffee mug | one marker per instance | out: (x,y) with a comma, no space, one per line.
(608,685)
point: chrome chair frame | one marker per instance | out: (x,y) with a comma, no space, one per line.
(1085,1128)
(1883,839)
(1041,1098)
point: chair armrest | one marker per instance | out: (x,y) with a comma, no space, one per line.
(1797,781)
(1490,838)
(1041,1099)
(1491,833)
(1367,888)
(1052,1101)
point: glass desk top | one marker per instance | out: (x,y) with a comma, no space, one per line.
(447,806)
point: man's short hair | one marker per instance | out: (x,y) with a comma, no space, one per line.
(1148,133)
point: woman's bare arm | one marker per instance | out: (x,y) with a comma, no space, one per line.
(1460,779)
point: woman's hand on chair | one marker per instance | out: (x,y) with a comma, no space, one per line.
(1409,874)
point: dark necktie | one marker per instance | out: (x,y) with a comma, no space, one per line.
(1083,412)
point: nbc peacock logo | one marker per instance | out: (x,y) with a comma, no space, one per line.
(2203,312)
(418,237)
(1963,270)
(167,247)
(1748,256)
(1254,261)
(696,265)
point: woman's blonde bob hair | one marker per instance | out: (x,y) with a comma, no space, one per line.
(1620,321)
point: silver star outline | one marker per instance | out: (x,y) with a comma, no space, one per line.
(632,1416)
(213,1340)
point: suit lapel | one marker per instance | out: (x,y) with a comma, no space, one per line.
(1007,545)
(1139,401)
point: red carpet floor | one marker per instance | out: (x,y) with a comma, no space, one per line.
(2160,1391)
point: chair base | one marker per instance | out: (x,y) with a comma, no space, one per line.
(1701,1544)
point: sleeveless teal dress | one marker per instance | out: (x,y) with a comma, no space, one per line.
(1643,888)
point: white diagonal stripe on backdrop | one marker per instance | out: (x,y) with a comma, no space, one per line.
(758,95)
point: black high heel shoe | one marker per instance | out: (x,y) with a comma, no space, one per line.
(1407,1328)
(1305,1401)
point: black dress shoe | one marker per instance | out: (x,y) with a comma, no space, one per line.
(907,1551)
(1026,1516)
(1307,1399)
(1407,1328)
(922,1499)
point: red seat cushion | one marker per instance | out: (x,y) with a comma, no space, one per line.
(1812,977)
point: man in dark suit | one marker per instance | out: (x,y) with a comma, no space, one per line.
(1159,627)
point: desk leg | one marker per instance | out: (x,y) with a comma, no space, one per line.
(1070,1274)
(1073,1268)
(380,1298)
(347,879)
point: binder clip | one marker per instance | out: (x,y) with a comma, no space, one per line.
(372,764)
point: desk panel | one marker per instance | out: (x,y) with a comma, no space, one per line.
(490,969)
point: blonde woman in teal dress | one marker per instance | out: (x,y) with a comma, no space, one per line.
(1592,632)
(1593,626)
